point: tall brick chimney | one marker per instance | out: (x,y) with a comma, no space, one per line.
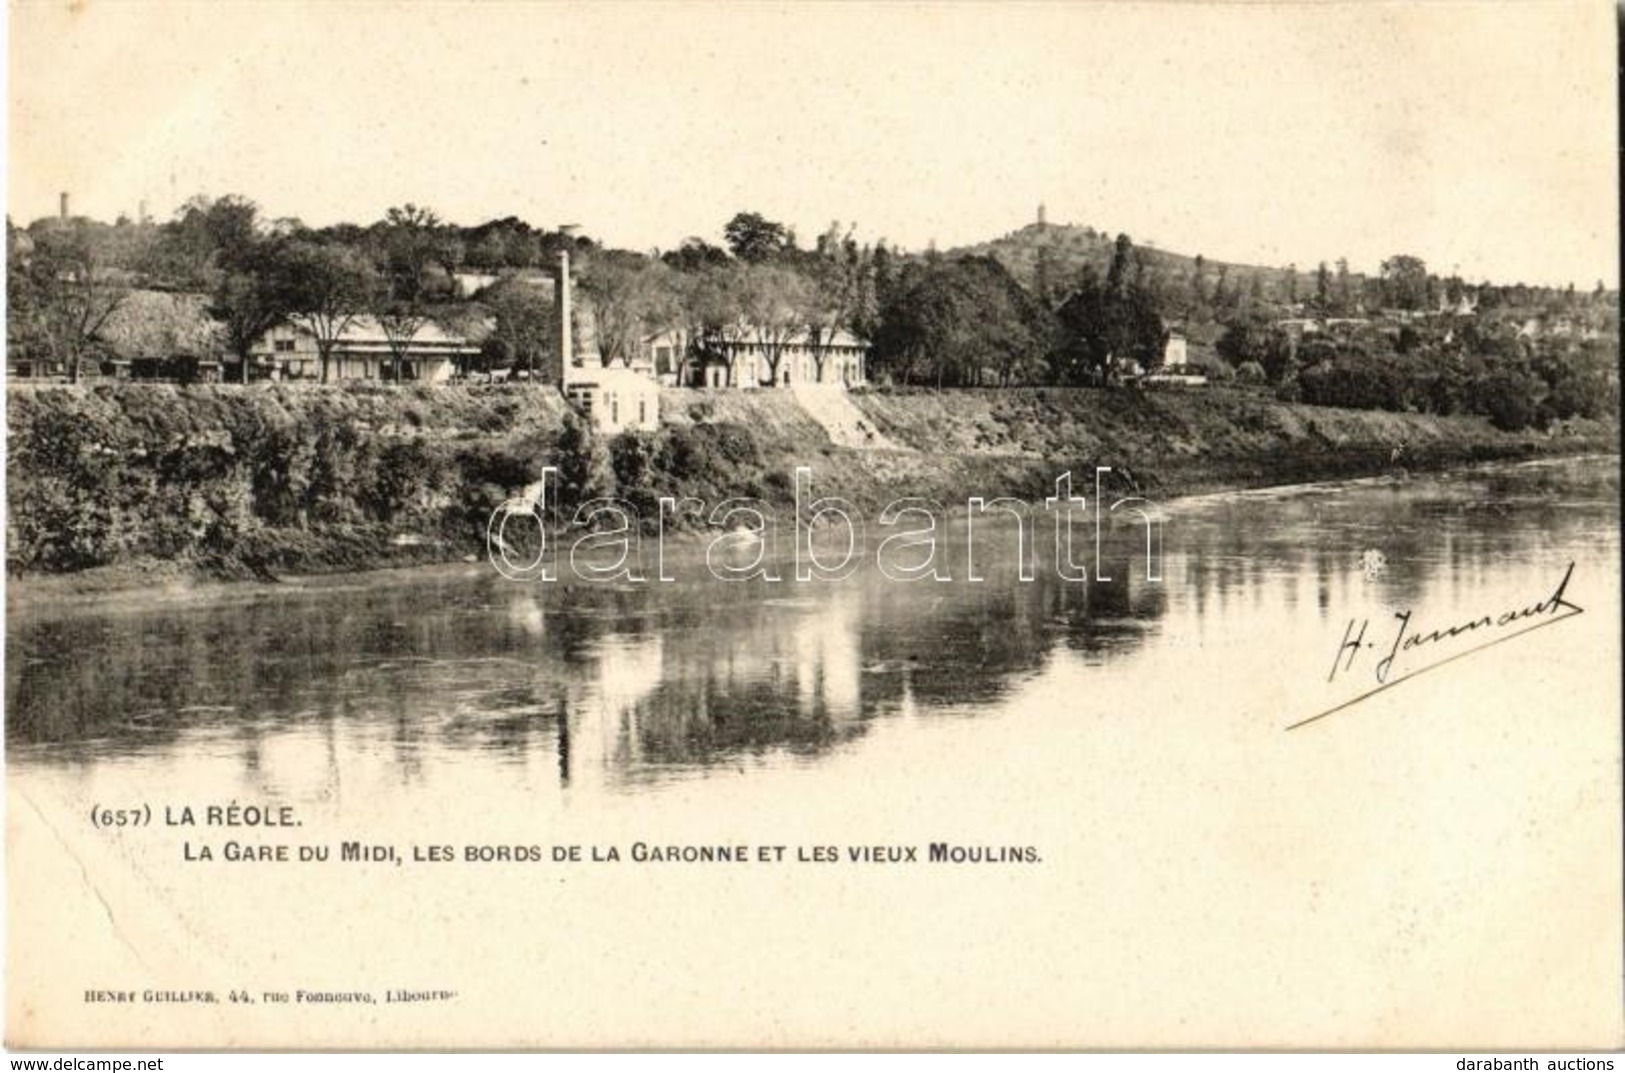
(62,205)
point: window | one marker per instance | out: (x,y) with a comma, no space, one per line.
(283,346)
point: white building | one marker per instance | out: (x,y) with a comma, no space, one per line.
(613,400)
(362,351)
(842,360)
(1174,351)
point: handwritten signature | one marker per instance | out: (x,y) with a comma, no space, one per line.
(1490,629)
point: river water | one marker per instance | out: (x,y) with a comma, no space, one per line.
(1178,856)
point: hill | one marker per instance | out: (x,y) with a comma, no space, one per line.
(1048,258)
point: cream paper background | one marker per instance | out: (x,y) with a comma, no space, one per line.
(1440,870)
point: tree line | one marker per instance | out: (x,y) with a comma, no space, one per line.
(1416,340)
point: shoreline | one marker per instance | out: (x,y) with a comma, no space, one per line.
(171,584)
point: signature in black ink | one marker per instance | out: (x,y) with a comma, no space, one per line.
(1408,637)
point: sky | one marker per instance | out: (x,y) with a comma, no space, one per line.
(1479,136)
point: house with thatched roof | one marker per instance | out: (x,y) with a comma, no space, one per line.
(160,335)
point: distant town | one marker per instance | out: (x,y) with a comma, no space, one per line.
(223,293)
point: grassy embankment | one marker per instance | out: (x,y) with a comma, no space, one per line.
(128,485)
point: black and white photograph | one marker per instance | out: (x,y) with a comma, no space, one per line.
(813,526)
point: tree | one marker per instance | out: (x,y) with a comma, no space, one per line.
(840,295)
(920,325)
(65,297)
(1013,329)
(1101,329)
(1044,273)
(953,320)
(1323,289)
(207,237)
(689,294)
(754,238)
(522,337)
(467,319)
(250,298)
(1223,296)
(716,305)
(1344,291)
(585,468)
(1253,341)
(410,244)
(327,286)
(1510,398)
(1250,372)
(622,292)
(773,300)
(400,319)
(902,333)
(232,226)
(1117,276)
(694,255)
(221,246)
(1404,282)
(128,245)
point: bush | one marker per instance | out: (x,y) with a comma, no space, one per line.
(584,466)
(1510,398)
(410,476)
(279,474)
(632,458)
(66,485)
(1356,383)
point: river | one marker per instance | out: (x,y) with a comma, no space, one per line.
(1178,851)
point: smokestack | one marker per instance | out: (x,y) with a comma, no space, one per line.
(565,355)
(141,212)
(62,205)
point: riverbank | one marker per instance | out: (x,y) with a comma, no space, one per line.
(157,488)
(146,586)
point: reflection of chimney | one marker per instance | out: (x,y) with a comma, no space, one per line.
(563,304)
(62,205)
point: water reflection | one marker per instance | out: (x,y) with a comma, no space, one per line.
(615,685)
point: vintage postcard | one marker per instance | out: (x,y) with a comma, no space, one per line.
(953,525)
